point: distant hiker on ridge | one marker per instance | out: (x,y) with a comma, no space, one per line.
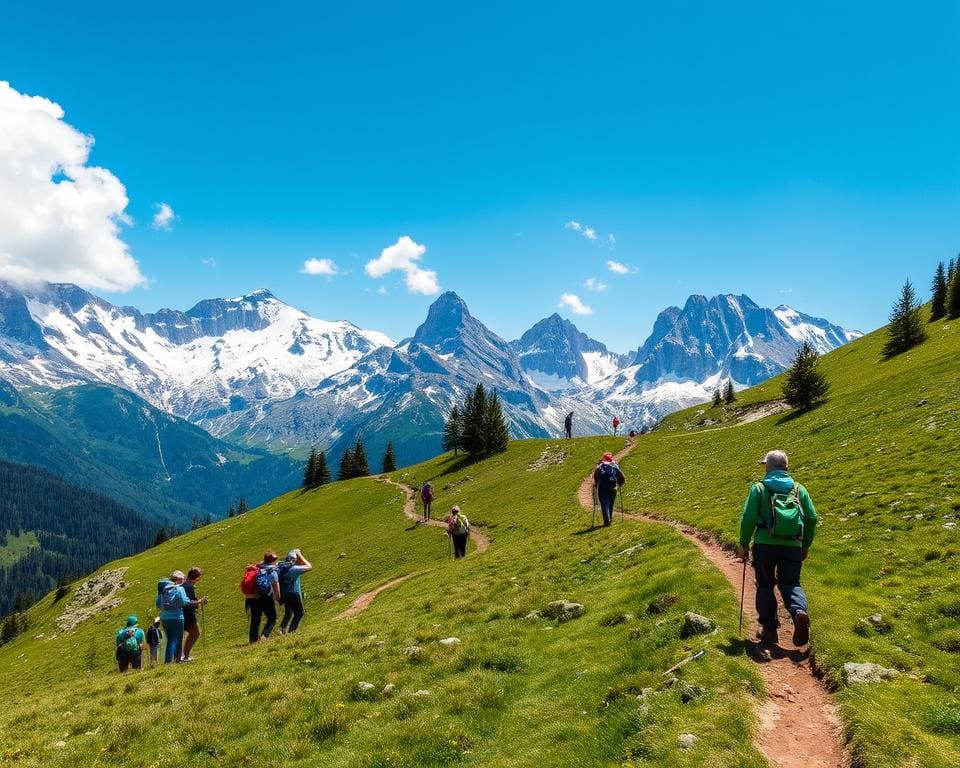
(616,425)
(607,478)
(426,495)
(458,526)
(191,629)
(568,425)
(290,593)
(261,587)
(171,598)
(129,639)
(780,518)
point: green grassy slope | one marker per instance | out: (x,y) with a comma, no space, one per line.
(515,692)
(882,461)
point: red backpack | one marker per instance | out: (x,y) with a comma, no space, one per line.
(248,584)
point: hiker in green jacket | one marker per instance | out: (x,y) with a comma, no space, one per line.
(129,640)
(780,518)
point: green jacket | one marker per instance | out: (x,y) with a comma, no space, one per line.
(756,510)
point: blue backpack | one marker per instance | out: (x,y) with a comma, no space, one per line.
(168,596)
(286,577)
(608,477)
(263,584)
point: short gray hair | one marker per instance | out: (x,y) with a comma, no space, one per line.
(775,460)
(177,576)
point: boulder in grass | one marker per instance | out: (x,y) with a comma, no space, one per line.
(563,610)
(857,673)
(690,693)
(450,641)
(695,624)
(364,690)
(686,741)
(413,652)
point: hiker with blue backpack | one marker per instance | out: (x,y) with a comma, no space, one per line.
(261,588)
(129,640)
(607,480)
(290,572)
(780,518)
(171,599)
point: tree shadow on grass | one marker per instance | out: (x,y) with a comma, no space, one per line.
(456,465)
(794,413)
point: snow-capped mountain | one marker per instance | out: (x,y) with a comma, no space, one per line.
(555,355)
(694,350)
(222,355)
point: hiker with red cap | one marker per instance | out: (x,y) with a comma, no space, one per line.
(607,478)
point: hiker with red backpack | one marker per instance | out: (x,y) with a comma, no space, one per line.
(616,425)
(780,518)
(458,528)
(171,599)
(129,640)
(261,588)
(607,479)
(426,495)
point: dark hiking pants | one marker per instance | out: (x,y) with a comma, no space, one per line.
(293,611)
(260,607)
(606,499)
(460,544)
(125,660)
(777,566)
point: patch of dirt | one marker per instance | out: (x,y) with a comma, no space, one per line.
(800,725)
(96,594)
(551,455)
(760,411)
(363,602)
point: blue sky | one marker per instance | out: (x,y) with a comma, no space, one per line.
(805,155)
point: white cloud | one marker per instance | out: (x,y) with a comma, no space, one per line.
(382,290)
(588,232)
(595,285)
(785,290)
(211,262)
(60,219)
(319,267)
(617,268)
(403,256)
(574,225)
(574,304)
(611,240)
(164,217)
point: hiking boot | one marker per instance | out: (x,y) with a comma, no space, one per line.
(801,628)
(768,636)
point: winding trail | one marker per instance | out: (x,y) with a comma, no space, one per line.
(800,725)
(480,541)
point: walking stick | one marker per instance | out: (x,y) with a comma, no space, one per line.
(622,516)
(203,631)
(593,519)
(743,585)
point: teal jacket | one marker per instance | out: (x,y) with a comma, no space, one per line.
(756,510)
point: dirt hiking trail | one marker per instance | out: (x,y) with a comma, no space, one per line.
(800,725)
(480,541)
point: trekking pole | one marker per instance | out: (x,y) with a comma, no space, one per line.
(593,519)
(743,586)
(203,631)
(622,516)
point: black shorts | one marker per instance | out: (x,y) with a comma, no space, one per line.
(189,620)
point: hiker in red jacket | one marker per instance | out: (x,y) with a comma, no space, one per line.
(426,495)
(616,425)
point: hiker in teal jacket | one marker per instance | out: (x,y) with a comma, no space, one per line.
(777,560)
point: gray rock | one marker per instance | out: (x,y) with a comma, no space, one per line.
(412,651)
(686,741)
(421,694)
(690,693)
(695,624)
(533,615)
(921,402)
(867,672)
(671,681)
(365,690)
(563,610)
(450,641)
(60,743)
(646,693)
(388,689)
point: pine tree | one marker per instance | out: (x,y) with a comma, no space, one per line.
(717,397)
(906,326)
(495,433)
(951,271)
(310,470)
(360,466)
(953,292)
(939,292)
(162,535)
(389,459)
(232,512)
(321,475)
(347,469)
(453,432)
(242,507)
(728,394)
(195,523)
(474,408)
(805,385)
